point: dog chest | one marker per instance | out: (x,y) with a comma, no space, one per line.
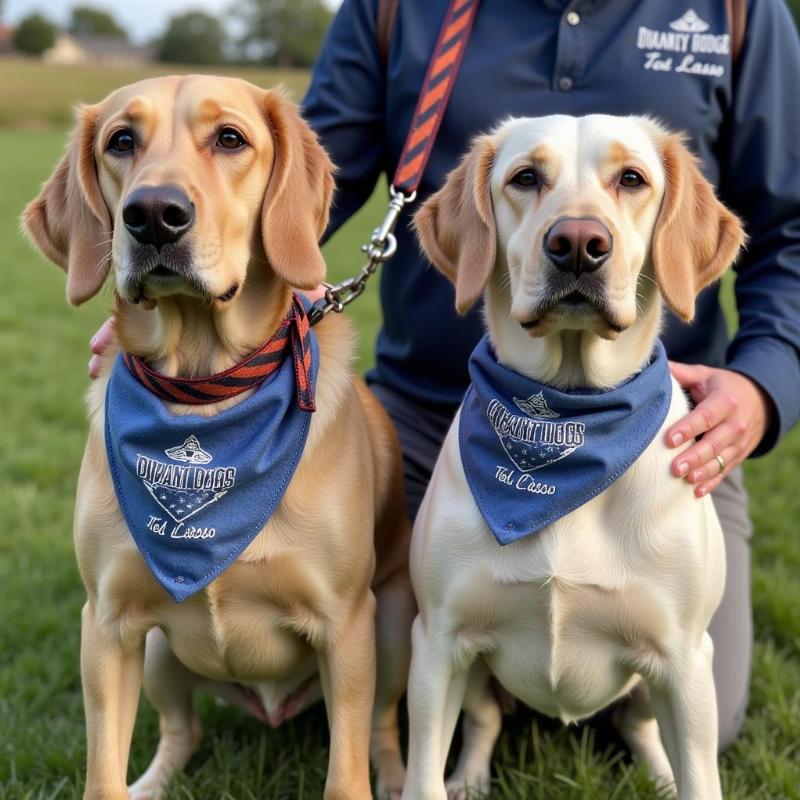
(566,617)
(247,642)
(569,649)
(256,621)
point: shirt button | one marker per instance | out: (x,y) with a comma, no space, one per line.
(573,18)
(565,83)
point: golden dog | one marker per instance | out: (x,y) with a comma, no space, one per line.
(241,189)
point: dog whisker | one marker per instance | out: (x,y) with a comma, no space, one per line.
(102,263)
(648,278)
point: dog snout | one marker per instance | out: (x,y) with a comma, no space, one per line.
(578,245)
(158,215)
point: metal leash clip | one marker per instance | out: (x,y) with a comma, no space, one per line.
(381,247)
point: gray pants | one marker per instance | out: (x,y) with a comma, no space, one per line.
(422,430)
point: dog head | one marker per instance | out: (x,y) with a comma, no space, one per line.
(577,219)
(179,184)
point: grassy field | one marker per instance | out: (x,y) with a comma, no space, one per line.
(36,95)
(43,350)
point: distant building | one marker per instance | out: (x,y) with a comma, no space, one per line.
(106,51)
(6,40)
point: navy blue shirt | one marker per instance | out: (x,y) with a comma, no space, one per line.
(531,58)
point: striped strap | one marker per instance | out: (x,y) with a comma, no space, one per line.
(293,335)
(439,81)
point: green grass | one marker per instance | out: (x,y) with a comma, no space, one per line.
(36,95)
(43,350)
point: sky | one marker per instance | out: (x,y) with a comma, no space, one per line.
(143,19)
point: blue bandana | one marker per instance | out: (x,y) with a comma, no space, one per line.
(195,491)
(532,453)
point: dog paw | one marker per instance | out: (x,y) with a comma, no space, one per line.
(468,788)
(389,787)
(391,773)
(152,785)
(144,793)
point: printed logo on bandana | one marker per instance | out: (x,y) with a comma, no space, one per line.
(184,488)
(535,440)
(190,451)
(684,48)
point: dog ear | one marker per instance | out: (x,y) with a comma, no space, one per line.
(69,221)
(456,227)
(298,197)
(695,238)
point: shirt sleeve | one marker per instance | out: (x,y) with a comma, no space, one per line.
(761,182)
(345,105)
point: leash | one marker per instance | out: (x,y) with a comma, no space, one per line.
(437,87)
(293,335)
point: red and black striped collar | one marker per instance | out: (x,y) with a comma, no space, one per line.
(292,337)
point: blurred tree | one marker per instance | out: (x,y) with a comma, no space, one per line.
(89,21)
(287,33)
(34,35)
(192,38)
(794,7)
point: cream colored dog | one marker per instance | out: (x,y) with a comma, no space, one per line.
(244,188)
(615,598)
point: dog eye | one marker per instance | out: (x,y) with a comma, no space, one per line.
(631,179)
(230,139)
(526,178)
(121,142)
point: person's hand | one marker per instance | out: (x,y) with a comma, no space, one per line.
(100,342)
(732,412)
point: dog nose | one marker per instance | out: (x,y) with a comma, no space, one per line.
(158,215)
(578,244)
